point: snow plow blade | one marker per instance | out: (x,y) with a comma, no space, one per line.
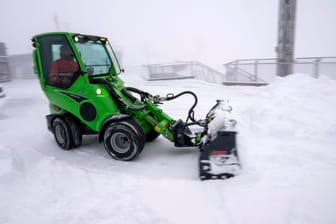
(219,157)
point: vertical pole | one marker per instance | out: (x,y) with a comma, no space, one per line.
(236,71)
(255,77)
(316,69)
(286,36)
(56,22)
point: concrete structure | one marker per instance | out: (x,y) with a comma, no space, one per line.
(22,66)
(286,37)
(4,67)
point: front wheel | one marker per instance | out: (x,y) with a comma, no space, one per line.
(124,140)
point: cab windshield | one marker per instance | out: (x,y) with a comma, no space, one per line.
(97,55)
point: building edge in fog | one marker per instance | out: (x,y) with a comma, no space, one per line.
(4,65)
(21,66)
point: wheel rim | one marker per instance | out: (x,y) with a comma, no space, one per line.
(59,133)
(120,142)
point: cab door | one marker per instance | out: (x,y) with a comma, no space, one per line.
(59,65)
(60,75)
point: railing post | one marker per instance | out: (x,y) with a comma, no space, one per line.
(255,75)
(235,70)
(316,69)
(228,72)
(192,68)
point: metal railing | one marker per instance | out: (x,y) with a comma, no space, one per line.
(179,70)
(183,70)
(264,70)
(198,70)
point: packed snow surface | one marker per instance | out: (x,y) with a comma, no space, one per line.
(286,141)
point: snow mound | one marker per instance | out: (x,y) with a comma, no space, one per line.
(296,106)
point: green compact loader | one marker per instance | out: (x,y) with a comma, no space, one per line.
(79,74)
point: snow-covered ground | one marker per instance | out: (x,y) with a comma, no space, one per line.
(287,144)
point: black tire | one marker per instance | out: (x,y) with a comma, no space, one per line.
(76,133)
(62,133)
(124,140)
(140,132)
(152,135)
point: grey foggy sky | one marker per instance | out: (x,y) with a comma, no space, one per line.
(150,31)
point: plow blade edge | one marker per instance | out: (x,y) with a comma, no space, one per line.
(219,158)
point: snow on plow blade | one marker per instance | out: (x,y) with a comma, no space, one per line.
(219,158)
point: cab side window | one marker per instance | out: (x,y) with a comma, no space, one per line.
(60,67)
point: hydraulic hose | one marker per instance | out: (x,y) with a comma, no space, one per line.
(142,94)
(191,113)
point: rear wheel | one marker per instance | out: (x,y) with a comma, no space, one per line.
(67,132)
(62,133)
(124,140)
(76,133)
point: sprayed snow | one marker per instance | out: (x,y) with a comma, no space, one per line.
(286,142)
(221,119)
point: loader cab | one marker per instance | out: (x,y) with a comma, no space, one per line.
(68,67)
(63,57)
(58,63)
